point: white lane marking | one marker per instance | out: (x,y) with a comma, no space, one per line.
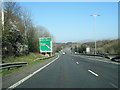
(24,79)
(113,85)
(77,62)
(93,73)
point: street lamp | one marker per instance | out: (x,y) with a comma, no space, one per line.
(95,15)
(3,14)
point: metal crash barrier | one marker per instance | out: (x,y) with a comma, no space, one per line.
(11,65)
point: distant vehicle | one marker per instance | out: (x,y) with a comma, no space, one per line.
(76,53)
(63,53)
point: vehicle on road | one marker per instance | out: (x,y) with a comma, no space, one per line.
(63,53)
(76,53)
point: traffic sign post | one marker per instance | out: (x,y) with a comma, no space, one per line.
(45,45)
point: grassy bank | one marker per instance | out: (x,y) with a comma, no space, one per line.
(29,59)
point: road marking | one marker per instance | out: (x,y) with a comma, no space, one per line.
(24,79)
(72,59)
(93,73)
(104,61)
(113,85)
(77,62)
(100,60)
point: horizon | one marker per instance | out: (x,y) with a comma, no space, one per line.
(85,41)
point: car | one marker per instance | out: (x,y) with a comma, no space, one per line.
(63,53)
(76,53)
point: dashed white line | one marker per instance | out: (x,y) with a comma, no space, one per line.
(113,85)
(24,79)
(77,62)
(93,73)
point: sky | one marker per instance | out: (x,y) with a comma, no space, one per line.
(71,21)
(62,0)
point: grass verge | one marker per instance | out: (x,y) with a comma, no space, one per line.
(29,59)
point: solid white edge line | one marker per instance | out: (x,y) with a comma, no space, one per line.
(27,77)
(107,61)
(93,73)
(101,60)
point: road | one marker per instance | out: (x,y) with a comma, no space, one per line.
(69,71)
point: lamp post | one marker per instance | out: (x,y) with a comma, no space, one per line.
(77,48)
(3,14)
(95,15)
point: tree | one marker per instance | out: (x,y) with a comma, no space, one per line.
(43,32)
(13,42)
(75,49)
(82,49)
(20,36)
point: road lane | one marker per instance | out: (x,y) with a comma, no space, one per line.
(108,71)
(29,76)
(65,73)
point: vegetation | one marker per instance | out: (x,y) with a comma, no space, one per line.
(20,36)
(103,47)
(59,46)
(29,59)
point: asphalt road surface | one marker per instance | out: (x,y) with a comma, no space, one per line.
(69,71)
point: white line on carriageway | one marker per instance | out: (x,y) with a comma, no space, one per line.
(93,73)
(26,78)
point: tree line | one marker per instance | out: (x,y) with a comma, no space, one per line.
(103,47)
(20,36)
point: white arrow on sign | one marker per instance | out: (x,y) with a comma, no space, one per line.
(45,45)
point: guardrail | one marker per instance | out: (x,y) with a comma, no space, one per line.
(18,64)
(10,65)
(117,59)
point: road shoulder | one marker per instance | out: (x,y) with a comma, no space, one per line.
(16,76)
(101,59)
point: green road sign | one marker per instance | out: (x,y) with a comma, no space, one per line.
(45,44)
